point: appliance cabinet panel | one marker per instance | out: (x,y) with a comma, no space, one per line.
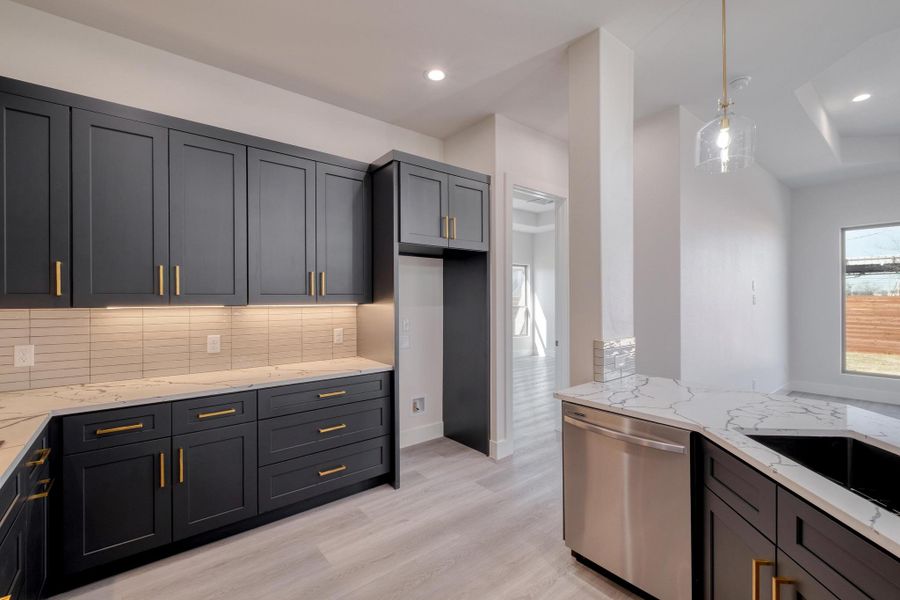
(208,204)
(469,214)
(120,211)
(34,204)
(214,479)
(282,219)
(730,547)
(424,206)
(343,235)
(116,502)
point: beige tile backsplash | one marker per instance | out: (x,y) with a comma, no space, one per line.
(79,345)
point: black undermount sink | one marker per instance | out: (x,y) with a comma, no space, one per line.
(863,469)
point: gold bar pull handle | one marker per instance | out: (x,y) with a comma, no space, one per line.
(43,453)
(445,227)
(453,229)
(312,284)
(322,291)
(332,471)
(333,394)
(759,563)
(177,280)
(57,269)
(162,470)
(162,280)
(181,465)
(47,483)
(218,413)
(120,429)
(777,582)
(332,428)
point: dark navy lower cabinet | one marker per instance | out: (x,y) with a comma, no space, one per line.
(12,558)
(214,479)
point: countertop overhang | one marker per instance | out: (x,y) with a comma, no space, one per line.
(24,414)
(726,417)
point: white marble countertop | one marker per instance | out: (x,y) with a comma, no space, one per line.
(725,417)
(23,414)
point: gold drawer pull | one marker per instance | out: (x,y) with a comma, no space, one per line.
(453,224)
(777,582)
(47,483)
(6,597)
(181,465)
(120,429)
(177,280)
(759,563)
(218,413)
(445,221)
(332,471)
(322,291)
(312,284)
(162,280)
(43,453)
(334,428)
(162,470)
(58,273)
(332,394)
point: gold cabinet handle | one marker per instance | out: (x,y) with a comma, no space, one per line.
(119,429)
(162,470)
(333,394)
(333,428)
(445,223)
(777,582)
(758,564)
(58,274)
(6,597)
(218,413)
(47,483)
(312,284)
(322,291)
(43,453)
(181,465)
(177,280)
(162,280)
(453,230)
(332,471)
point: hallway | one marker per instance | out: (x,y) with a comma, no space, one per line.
(535,411)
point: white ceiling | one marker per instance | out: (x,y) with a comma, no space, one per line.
(508,56)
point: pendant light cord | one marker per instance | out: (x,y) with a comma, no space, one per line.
(725,102)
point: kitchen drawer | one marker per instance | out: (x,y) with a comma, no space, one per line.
(108,428)
(845,563)
(200,414)
(305,433)
(290,399)
(11,499)
(750,493)
(291,481)
(12,559)
(804,585)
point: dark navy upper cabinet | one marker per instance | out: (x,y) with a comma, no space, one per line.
(469,216)
(282,228)
(208,220)
(120,211)
(424,206)
(34,204)
(343,235)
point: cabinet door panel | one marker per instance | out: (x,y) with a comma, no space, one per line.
(424,198)
(208,243)
(34,203)
(120,213)
(730,545)
(215,478)
(12,558)
(343,234)
(282,218)
(36,545)
(116,502)
(469,214)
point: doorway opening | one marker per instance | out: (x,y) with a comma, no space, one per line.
(536,288)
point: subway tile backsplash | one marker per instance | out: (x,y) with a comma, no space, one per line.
(79,345)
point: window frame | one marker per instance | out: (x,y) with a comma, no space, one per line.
(527,305)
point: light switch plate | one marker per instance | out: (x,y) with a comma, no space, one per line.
(404,325)
(338,335)
(23,356)
(404,342)
(213,344)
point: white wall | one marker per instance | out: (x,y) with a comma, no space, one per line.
(41,48)
(818,215)
(545,293)
(422,295)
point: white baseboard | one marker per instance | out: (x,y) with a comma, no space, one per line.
(501,448)
(844,391)
(424,433)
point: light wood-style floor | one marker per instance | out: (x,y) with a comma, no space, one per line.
(460,526)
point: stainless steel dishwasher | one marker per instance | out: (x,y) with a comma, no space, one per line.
(627,498)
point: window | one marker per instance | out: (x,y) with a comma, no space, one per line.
(521,287)
(872,300)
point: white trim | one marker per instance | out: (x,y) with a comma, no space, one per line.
(843,391)
(424,433)
(500,449)
(525,228)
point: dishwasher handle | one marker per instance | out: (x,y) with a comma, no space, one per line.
(625,437)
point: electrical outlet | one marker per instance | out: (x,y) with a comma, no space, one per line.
(23,356)
(338,335)
(418,405)
(213,344)
(620,361)
(404,342)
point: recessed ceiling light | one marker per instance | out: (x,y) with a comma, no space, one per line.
(862,97)
(435,75)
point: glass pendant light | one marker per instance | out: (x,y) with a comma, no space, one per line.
(728,142)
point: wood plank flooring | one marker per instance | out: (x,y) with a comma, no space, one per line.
(461,526)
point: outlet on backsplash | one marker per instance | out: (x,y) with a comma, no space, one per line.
(338,335)
(23,356)
(213,344)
